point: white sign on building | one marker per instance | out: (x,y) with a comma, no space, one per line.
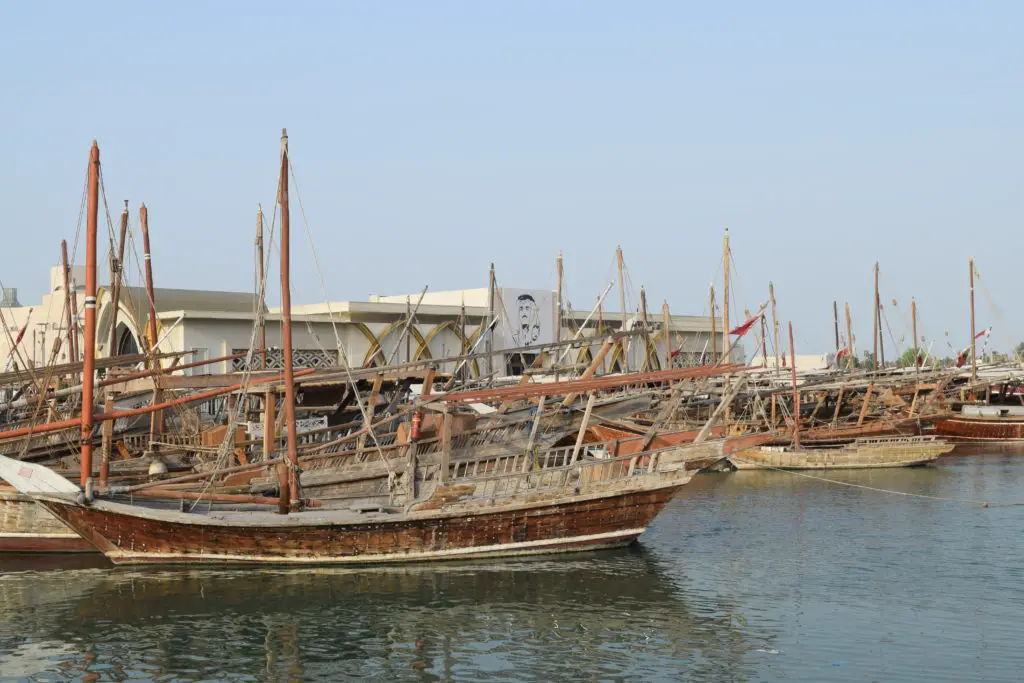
(302,426)
(528,318)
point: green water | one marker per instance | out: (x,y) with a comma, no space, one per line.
(746,576)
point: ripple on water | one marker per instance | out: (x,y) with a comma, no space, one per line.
(750,576)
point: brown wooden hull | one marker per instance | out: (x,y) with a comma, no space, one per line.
(574,524)
(981,429)
(26,527)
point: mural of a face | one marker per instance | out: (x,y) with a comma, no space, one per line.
(527,329)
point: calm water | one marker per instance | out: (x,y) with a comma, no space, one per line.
(747,576)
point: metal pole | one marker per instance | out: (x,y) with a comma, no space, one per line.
(913,324)
(849,337)
(876,318)
(559,271)
(286,332)
(489,346)
(643,318)
(714,332)
(775,326)
(727,342)
(835,319)
(70,308)
(89,339)
(666,323)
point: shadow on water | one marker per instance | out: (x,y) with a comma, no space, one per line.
(591,616)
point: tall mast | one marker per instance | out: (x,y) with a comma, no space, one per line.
(666,324)
(560,274)
(643,319)
(835,319)
(913,324)
(714,332)
(286,331)
(70,309)
(775,325)
(727,342)
(116,270)
(849,337)
(796,392)
(600,326)
(974,356)
(488,328)
(156,420)
(877,318)
(622,307)
(89,338)
(261,286)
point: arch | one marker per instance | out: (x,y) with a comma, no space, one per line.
(127,344)
(438,329)
(373,356)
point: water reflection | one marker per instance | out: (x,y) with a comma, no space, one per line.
(594,616)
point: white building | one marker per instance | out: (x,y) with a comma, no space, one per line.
(213,324)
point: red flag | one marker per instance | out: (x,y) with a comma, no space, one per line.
(961,358)
(745,327)
(982,333)
(842,353)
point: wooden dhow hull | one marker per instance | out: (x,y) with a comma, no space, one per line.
(981,429)
(582,523)
(861,454)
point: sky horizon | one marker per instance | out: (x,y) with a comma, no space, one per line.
(429,140)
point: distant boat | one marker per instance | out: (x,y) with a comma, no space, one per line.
(860,454)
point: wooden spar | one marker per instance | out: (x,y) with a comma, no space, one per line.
(286,332)
(261,287)
(70,309)
(727,342)
(536,426)
(462,336)
(116,270)
(913,325)
(839,403)
(646,365)
(796,392)
(775,325)
(622,306)
(666,324)
(108,440)
(446,446)
(600,326)
(117,414)
(592,368)
(560,274)
(89,338)
(974,356)
(714,332)
(156,420)
(764,340)
(865,404)
(877,319)
(583,426)
(489,344)
(849,337)
(269,424)
(835,319)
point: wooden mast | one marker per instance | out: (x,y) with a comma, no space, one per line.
(622,307)
(489,344)
(559,272)
(116,275)
(89,337)
(286,332)
(775,325)
(835,320)
(70,309)
(876,318)
(714,332)
(796,392)
(849,337)
(913,325)
(727,342)
(643,318)
(666,323)
(974,356)
(261,287)
(156,422)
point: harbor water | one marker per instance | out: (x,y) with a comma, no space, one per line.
(749,576)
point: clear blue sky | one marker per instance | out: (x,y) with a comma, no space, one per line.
(430,138)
